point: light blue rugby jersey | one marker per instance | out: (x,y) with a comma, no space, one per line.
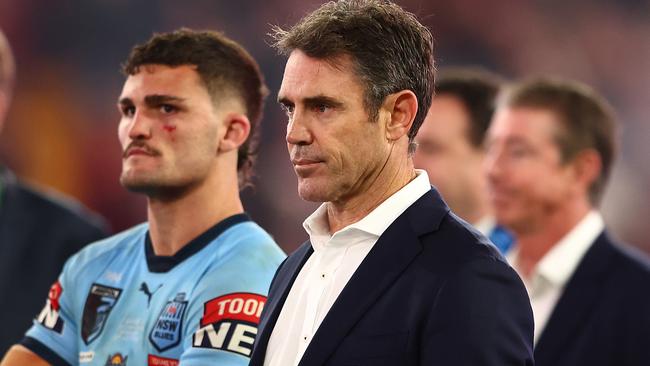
(116,303)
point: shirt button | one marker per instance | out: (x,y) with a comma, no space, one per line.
(322,275)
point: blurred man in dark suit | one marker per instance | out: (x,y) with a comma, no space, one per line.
(550,151)
(38,232)
(451,150)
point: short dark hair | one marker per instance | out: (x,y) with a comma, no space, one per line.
(477,90)
(587,120)
(390,48)
(223,66)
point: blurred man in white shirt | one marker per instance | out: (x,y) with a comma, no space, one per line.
(550,150)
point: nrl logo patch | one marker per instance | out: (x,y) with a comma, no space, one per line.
(166,333)
(99,303)
(116,360)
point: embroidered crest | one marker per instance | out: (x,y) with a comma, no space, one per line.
(99,303)
(166,333)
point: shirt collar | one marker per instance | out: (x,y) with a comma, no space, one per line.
(561,261)
(379,219)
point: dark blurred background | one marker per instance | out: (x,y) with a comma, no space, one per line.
(62,128)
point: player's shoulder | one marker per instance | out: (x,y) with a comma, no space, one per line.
(98,254)
(245,249)
(248,239)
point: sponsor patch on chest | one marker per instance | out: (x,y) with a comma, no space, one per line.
(153,360)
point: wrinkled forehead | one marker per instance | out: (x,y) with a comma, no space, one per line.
(306,76)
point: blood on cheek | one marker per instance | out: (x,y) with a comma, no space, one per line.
(170,130)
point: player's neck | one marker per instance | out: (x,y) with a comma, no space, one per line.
(174,223)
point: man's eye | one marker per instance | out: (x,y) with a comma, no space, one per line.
(321,108)
(519,152)
(128,111)
(288,109)
(167,108)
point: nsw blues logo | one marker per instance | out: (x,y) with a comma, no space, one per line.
(166,333)
(99,303)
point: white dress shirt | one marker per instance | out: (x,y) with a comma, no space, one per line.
(335,259)
(553,271)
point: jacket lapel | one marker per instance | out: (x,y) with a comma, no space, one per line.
(280,287)
(576,303)
(390,256)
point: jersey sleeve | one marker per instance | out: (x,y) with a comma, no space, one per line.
(53,335)
(223,318)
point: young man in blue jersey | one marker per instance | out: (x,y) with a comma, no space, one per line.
(188,287)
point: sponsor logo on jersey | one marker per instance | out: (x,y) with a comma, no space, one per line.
(86,357)
(145,289)
(116,360)
(99,303)
(153,360)
(166,332)
(113,276)
(229,323)
(49,316)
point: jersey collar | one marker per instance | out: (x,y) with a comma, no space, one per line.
(159,264)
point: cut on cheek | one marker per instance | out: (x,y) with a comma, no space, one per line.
(170,131)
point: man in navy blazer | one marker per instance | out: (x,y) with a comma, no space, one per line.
(389,276)
(38,232)
(550,151)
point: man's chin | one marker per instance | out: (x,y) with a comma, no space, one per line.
(138,186)
(139,183)
(312,194)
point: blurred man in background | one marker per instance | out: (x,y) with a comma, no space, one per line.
(550,151)
(38,232)
(187,287)
(451,149)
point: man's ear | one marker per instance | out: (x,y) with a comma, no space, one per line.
(587,166)
(237,127)
(402,108)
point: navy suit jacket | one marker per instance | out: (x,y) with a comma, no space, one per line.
(37,235)
(603,315)
(432,291)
